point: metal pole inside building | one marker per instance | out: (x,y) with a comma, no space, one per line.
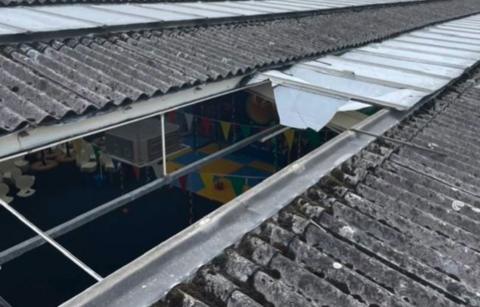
(164,149)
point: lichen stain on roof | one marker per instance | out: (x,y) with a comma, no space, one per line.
(378,231)
(48,81)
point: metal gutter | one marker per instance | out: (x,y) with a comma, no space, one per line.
(148,278)
(27,141)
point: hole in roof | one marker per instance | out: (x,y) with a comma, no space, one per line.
(358,298)
(340,285)
(91,171)
(275,274)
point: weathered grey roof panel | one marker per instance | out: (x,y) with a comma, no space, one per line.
(83,74)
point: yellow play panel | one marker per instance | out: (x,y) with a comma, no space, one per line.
(214,176)
(179,153)
(209,149)
(173,166)
(221,166)
(223,195)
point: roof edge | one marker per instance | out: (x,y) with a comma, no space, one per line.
(29,140)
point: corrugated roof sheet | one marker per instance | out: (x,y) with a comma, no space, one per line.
(48,81)
(394,226)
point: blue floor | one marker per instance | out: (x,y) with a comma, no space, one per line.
(190,157)
(200,141)
(250,171)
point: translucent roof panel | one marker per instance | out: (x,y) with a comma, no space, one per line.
(47,18)
(149,12)
(421,68)
(377,74)
(93,14)
(435,42)
(24,19)
(433,49)
(445,38)
(419,56)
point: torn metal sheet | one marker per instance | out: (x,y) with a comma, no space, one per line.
(300,109)
(301,104)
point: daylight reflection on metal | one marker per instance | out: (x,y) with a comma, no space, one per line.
(20,20)
(396,73)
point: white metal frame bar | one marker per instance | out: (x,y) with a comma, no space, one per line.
(164,149)
(51,241)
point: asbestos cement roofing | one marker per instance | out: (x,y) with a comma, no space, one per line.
(394,226)
(49,81)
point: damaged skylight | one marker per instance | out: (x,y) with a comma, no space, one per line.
(396,73)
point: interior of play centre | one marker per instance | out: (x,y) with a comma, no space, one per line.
(215,151)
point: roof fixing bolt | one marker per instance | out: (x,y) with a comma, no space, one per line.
(457,205)
(337,265)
